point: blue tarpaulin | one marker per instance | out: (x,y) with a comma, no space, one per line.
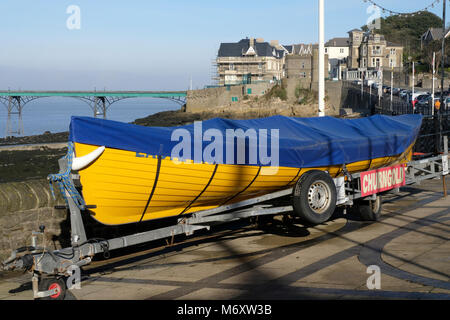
(302,142)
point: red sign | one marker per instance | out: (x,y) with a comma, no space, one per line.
(382,179)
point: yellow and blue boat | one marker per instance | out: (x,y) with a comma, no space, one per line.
(131,173)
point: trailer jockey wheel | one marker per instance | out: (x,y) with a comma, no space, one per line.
(46,284)
(314,197)
(370,210)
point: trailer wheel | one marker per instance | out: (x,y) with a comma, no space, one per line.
(314,197)
(46,284)
(370,210)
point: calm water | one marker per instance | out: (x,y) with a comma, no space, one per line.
(53,114)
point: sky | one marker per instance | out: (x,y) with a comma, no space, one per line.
(152,44)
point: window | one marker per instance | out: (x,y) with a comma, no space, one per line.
(326,50)
(376,62)
(342,50)
(392,63)
(302,74)
(231,66)
(260,66)
(303,65)
(376,50)
(393,52)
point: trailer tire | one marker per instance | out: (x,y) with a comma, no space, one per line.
(370,210)
(314,197)
(51,283)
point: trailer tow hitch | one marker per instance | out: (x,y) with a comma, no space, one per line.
(14,262)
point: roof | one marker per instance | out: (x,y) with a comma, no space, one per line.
(338,42)
(434,34)
(288,48)
(355,30)
(302,49)
(238,49)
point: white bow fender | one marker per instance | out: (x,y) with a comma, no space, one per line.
(82,162)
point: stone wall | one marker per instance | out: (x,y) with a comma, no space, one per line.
(210,98)
(24,206)
(257,89)
(200,100)
(335,95)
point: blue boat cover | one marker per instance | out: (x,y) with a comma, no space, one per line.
(302,142)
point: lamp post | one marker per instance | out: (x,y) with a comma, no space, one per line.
(392,85)
(432,89)
(413,82)
(443,55)
(438,113)
(321,59)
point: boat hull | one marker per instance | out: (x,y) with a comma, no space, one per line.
(129,187)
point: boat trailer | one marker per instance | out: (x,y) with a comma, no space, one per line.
(50,269)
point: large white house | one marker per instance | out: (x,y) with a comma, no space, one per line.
(338,52)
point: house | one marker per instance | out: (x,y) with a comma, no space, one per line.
(369,52)
(250,60)
(433,34)
(302,62)
(338,52)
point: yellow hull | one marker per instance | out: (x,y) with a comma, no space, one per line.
(127,187)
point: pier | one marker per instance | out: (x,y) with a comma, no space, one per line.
(98,101)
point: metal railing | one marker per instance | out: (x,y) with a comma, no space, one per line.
(434,127)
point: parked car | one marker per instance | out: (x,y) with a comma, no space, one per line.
(396,91)
(403,93)
(374,86)
(418,94)
(424,100)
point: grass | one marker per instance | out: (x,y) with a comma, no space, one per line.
(277,91)
(305,96)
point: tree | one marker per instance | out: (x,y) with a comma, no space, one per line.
(435,46)
(407,30)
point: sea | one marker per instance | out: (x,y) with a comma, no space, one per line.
(53,114)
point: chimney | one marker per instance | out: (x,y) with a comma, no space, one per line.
(274,43)
(259,40)
(252,42)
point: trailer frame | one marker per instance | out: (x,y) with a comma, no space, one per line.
(60,263)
